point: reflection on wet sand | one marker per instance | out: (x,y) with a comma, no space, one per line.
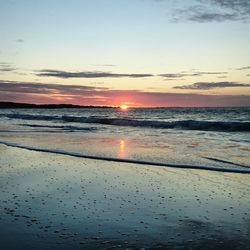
(57,202)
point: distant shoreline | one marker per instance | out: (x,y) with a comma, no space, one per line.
(7,105)
(45,106)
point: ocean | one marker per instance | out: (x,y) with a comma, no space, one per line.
(216,138)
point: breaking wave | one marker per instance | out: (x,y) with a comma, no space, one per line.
(223,126)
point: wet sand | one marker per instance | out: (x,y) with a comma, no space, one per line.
(51,201)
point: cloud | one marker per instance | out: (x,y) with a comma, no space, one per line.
(105,65)
(31,92)
(6,67)
(185,74)
(101,74)
(173,75)
(203,17)
(19,40)
(215,11)
(87,74)
(221,77)
(212,85)
(201,73)
(240,5)
(243,68)
(43,88)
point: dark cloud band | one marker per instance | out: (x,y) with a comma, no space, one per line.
(43,88)
(186,74)
(88,74)
(212,85)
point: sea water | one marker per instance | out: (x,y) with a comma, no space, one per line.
(216,137)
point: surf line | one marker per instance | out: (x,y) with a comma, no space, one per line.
(102,158)
(224,161)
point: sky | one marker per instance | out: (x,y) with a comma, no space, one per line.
(150,53)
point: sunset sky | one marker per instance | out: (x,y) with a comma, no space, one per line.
(134,52)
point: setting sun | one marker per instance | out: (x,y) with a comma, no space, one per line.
(124,107)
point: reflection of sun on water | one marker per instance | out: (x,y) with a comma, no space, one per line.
(122,153)
(122,144)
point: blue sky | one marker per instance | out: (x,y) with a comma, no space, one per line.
(164,46)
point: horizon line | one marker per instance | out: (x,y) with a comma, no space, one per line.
(4,104)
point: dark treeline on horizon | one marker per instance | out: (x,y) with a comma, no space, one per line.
(45,106)
(9,105)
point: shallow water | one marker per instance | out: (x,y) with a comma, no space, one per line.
(200,136)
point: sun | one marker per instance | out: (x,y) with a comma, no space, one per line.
(123,107)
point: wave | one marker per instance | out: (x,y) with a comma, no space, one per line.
(224,161)
(67,128)
(159,164)
(222,126)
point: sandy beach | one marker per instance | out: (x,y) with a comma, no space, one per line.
(51,201)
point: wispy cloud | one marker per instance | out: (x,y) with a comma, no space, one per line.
(6,67)
(203,17)
(210,73)
(43,88)
(105,65)
(176,75)
(87,95)
(221,77)
(186,74)
(240,5)
(19,40)
(87,74)
(212,85)
(243,68)
(215,11)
